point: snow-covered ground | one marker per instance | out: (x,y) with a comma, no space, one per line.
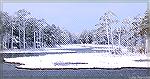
(75,46)
(38,51)
(82,60)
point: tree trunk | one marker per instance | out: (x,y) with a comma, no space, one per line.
(24,38)
(147,45)
(119,38)
(40,42)
(1,42)
(34,43)
(112,40)
(19,41)
(12,38)
(6,44)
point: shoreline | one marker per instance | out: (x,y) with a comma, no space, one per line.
(93,68)
(83,68)
(77,61)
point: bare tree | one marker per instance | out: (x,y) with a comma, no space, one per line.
(104,24)
(145,29)
(21,15)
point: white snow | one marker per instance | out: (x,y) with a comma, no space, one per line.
(98,60)
(48,50)
(74,46)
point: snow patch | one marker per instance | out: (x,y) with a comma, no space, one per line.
(92,60)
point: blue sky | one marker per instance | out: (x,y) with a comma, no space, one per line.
(76,17)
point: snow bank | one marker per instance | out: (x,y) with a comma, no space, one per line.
(81,60)
(74,46)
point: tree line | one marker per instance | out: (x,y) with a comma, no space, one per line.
(23,31)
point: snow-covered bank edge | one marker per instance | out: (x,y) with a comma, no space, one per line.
(82,68)
(37,51)
(16,63)
(93,60)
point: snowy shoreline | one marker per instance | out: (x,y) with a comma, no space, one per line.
(94,60)
(82,68)
(77,60)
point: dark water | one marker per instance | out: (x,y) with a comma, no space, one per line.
(10,72)
(13,55)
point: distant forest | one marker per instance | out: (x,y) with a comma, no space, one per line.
(22,31)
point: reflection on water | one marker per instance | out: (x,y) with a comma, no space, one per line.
(9,72)
(14,55)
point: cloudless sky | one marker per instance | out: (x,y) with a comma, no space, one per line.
(76,17)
